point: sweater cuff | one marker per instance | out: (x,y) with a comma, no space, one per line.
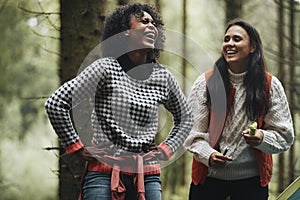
(74,147)
(264,145)
(205,157)
(166,150)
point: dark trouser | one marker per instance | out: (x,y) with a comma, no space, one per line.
(216,189)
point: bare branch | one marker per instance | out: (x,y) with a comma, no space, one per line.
(47,17)
(287,7)
(36,12)
(50,51)
(52,148)
(292,42)
(41,13)
(55,171)
(45,36)
(274,53)
(34,98)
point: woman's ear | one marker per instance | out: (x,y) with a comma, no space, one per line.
(253,47)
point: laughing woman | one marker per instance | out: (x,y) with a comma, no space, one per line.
(229,161)
(126,88)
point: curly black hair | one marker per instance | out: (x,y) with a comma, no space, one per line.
(113,42)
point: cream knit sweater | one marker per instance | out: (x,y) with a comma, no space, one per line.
(278,129)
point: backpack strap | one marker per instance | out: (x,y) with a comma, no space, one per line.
(269,80)
(265,163)
(217,120)
(216,126)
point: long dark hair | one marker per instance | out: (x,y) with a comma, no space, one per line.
(119,21)
(255,81)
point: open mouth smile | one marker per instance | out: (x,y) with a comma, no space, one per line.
(231,52)
(150,35)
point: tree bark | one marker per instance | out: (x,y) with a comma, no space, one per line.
(292,81)
(81,27)
(233,9)
(123,2)
(281,76)
(184,66)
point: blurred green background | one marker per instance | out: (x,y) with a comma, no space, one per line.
(29,65)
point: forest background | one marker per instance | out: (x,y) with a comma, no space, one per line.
(31,64)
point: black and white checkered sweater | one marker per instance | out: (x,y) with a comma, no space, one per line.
(125,110)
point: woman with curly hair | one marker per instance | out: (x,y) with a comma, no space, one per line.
(237,95)
(125,87)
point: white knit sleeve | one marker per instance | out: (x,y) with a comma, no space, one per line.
(198,140)
(278,128)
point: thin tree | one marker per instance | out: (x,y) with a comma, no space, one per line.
(157,4)
(179,166)
(184,72)
(290,84)
(233,9)
(123,2)
(81,27)
(292,80)
(281,76)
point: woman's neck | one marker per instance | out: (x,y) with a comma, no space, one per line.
(137,57)
(238,66)
(237,69)
(137,71)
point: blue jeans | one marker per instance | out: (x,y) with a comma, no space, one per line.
(97,186)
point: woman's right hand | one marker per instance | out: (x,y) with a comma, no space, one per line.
(85,154)
(217,159)
(92,153)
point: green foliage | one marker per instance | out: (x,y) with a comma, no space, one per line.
(28,171)
(10,51)
(28,68)
(24,63)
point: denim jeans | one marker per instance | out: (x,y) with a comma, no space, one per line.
(97,186)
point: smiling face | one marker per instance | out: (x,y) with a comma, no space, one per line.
(236,48)
(142,33)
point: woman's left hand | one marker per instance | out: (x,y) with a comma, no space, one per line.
(253,140)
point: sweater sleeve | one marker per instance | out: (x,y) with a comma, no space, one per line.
(66,97)
(198,141)
(177,105)
(278,126)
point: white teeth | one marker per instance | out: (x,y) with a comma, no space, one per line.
(150,35)
(231,52)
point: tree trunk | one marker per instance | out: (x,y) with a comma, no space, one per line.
(123,2)
(157,4)
(292,81)
(233,9)
(81,27)
(184,66)
(281,53)
(281,77)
